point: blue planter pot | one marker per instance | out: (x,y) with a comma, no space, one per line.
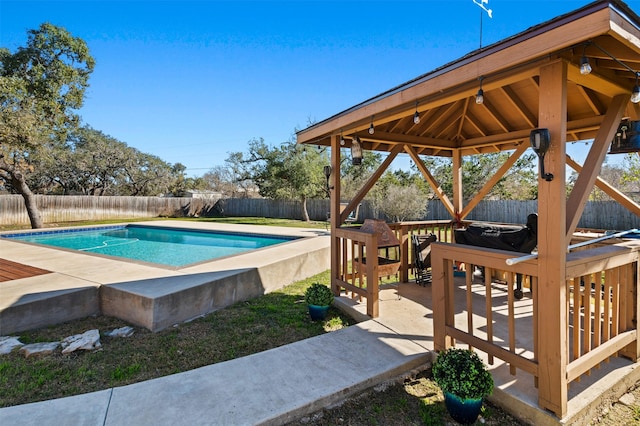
(464,411)
(318,312)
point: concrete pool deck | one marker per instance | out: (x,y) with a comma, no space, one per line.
(151,296)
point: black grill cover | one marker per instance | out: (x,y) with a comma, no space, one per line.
(522,239)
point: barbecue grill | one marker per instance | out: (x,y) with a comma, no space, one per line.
(522,239)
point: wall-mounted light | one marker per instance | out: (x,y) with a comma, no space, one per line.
(416,116)
(585,66)
(327,173)
(371,129)
(356,151)
(540,140)
(635,94)
(480,94)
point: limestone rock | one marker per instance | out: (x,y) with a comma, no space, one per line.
(8,343)
(88,341)
(120,332)
(627,399)
(39,349)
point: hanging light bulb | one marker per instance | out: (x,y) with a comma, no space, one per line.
(585,66)
(480,94)
(416,116)
(341,139)
(371,129)
(635,94)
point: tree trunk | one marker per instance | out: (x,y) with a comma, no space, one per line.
(305,213)
(32,209)
(19,183)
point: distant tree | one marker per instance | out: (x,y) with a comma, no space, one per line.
(631,175)
(352,178)
(95,164)
(224,180)
(144,175)
(624,177)
(519,183)
(400,202)
(41,85)
(284,172)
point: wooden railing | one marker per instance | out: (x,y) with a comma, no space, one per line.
(359,279)
(350,243)
(601,301)
(443,229)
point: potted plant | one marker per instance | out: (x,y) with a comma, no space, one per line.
(464,380)
(318,297)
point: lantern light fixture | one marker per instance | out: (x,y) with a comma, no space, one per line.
(371,129)
(635,94)
(416,116)
(356,151)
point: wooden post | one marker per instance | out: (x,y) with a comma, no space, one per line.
(632,314)
(458,195)
(373,291)
(334,213)
(405,261)
(438,297)
(552,326)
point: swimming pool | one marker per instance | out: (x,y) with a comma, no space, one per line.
(153,244)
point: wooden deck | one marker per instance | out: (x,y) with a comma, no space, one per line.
(12,270)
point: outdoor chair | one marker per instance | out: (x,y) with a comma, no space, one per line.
(422,257)
(353,216)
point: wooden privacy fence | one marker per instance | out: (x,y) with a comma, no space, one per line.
(69,208)
(62,208)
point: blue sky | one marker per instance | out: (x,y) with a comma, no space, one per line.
(192,81)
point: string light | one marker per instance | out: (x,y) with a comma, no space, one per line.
(585,66)
(480,94)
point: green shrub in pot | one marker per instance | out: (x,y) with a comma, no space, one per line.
(465,382)
(319,295)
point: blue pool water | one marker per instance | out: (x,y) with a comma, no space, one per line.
(166,246)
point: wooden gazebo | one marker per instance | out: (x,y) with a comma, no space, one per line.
(531,81)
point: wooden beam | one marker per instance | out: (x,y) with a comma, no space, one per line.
(595,82)
(494,179)
(552,292)
(612,192)
(369,184)
(435,186)
(593,164)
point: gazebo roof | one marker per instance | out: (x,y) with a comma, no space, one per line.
(606,32)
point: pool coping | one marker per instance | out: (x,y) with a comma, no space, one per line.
(149,295)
